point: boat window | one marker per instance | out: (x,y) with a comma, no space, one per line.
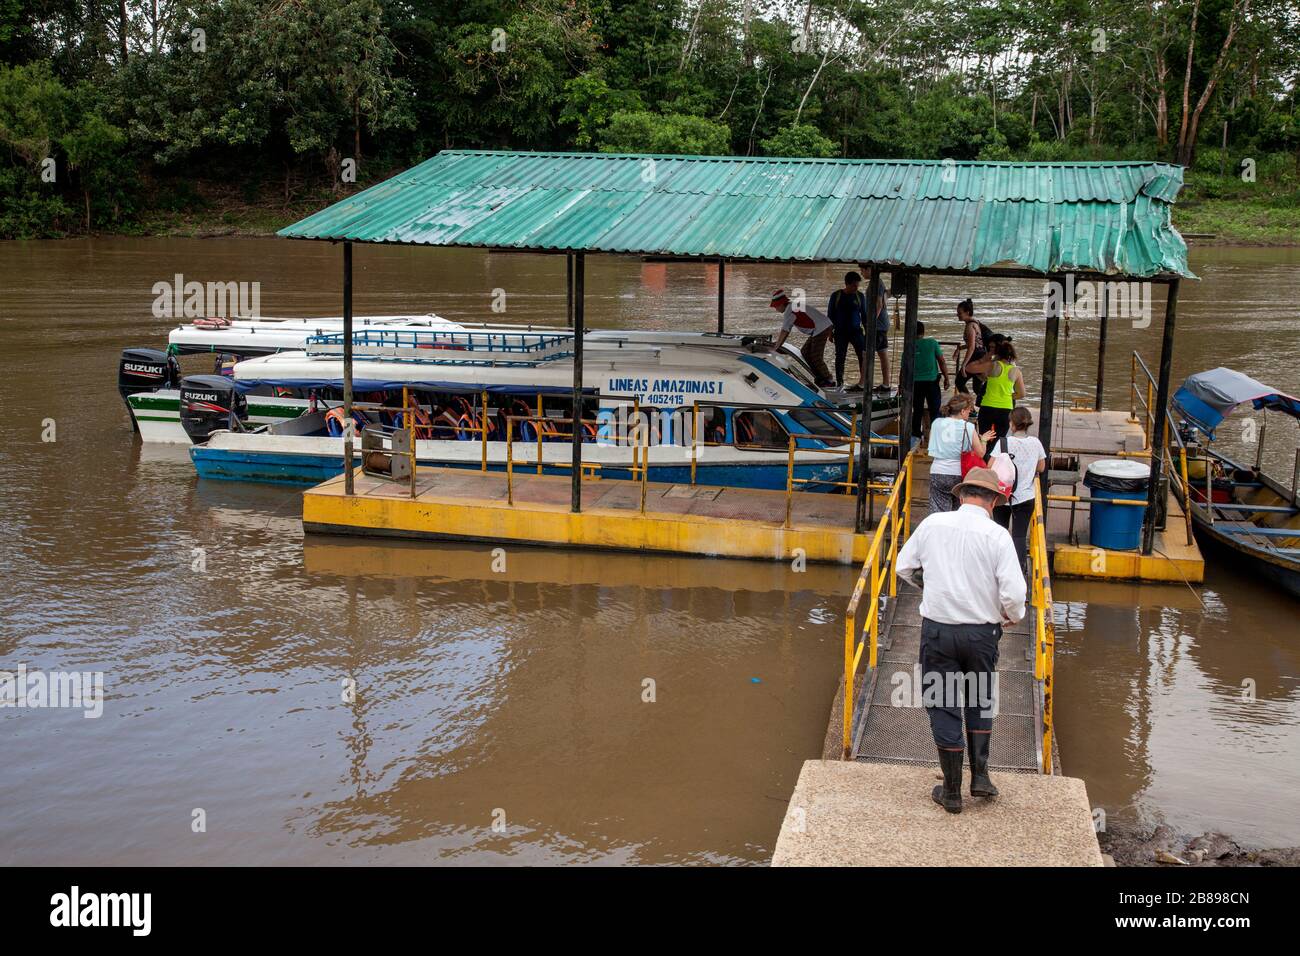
(713,425)
(817,423)
(759,429)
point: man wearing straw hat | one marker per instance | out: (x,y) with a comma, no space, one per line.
(972,586)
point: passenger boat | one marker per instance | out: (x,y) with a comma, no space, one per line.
(727,400)
(1238,510)
(148,379)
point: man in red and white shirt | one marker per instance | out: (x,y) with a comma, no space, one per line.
(812,323)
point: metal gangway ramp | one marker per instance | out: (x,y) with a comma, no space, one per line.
(884,721)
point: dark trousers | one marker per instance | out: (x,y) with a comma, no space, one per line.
(925,394)
(814,353)
(959,665)
(847,333)
(995,418)
(1015,518)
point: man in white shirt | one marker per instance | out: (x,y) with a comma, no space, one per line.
(972,586)
(811,322)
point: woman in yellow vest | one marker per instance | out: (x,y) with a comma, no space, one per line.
(1004,384)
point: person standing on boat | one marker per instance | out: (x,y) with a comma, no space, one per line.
(1029,459)
(1003,385)
(975,345)
(847,310)
(880,331)
(812,323)
(950,436)
(925,387)
(971,585)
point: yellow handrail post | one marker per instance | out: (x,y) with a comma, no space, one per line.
(645,465)
(850,641)
(510,465)
(483,426)
(789,481)
(408,410)
(853,444)
(907,491)
(873,612)
(1132,388)
(695,436)
(537,427)
(1147,422)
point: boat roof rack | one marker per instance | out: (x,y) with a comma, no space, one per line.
(447,347)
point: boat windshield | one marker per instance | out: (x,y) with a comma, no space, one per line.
(819,423)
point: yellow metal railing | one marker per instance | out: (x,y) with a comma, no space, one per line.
(1178,475)
(878,570)
(1040,609)
(853,441)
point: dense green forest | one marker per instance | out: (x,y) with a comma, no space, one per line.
(136,116)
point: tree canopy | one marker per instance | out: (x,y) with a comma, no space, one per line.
(100,102)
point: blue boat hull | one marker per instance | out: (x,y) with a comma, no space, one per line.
(284,469)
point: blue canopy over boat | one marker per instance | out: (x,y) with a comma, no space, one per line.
(1206,398)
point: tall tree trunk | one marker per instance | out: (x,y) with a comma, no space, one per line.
(1187,80)
(1162,100)
(1191,125)
(121,28)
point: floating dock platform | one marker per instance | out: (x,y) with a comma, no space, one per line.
(1175,556)
(462,505)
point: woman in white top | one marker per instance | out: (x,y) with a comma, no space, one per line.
(1026,453)
(949,437)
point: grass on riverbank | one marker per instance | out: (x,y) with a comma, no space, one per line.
(1258,213)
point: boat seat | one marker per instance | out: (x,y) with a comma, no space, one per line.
(1249,527)
(1270,509)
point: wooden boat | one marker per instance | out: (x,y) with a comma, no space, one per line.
(1238,511)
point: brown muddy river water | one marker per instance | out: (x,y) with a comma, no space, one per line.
(515,698)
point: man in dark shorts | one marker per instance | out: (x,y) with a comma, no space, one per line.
(847,309)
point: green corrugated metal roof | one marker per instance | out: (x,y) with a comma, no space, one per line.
(1111,218)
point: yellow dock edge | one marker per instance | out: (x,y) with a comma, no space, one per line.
(467,519)
(1079,561)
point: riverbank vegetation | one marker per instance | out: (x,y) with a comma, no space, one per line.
(217,116)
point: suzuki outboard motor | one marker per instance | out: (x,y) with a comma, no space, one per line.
(210,403)
(145,370)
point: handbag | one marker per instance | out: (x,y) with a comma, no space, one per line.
(969,459)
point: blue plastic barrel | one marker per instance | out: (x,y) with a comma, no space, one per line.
(1116,527)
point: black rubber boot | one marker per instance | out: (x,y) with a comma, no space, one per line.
(980,784)
(948,795)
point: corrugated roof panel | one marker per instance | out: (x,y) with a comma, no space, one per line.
(1098,217)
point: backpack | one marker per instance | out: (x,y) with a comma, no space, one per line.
(1004,466)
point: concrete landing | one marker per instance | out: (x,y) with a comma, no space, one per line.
(846,813)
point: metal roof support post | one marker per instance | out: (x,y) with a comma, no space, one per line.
(907,370)
(348,425)
(1101,343)
(1053,301)
(868,387)
(1161,418)
(579,268)
(722,295)
(568,289)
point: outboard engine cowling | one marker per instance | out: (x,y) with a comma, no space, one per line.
(210,403)
(145,370)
